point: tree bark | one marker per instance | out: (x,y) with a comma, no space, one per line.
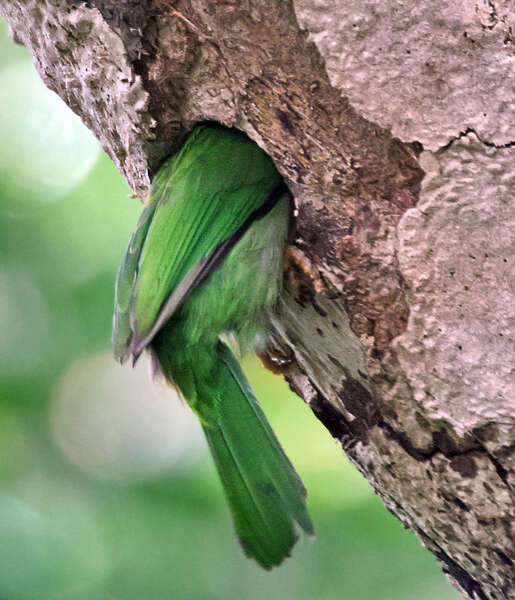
(392,124)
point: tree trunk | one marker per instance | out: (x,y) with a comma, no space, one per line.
(397,312)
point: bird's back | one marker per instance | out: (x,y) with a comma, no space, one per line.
(214,184)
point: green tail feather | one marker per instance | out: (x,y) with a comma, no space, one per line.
(265,493)
(266,496)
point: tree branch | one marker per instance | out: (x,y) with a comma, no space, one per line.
(397,305)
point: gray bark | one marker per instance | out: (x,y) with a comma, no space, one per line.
(399,316)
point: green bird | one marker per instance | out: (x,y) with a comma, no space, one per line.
(206,260)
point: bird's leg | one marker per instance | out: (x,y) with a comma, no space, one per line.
(277,359)
(298,269)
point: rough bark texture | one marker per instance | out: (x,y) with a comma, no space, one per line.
(398,318)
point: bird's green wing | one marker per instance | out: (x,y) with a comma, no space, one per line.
(218,182)
(121,333)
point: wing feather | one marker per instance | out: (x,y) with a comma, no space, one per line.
(218,180)
(200,271)
(121,332)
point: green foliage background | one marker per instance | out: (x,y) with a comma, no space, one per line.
(106,490)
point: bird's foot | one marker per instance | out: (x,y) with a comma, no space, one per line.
(277,360)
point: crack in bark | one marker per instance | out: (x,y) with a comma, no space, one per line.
(465,133)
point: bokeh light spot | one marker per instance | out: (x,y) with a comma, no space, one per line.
(45,146)
(116,424)
(51,551)
(23,310)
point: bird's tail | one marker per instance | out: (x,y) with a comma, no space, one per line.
(266,496)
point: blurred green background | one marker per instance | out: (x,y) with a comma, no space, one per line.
(106,488)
